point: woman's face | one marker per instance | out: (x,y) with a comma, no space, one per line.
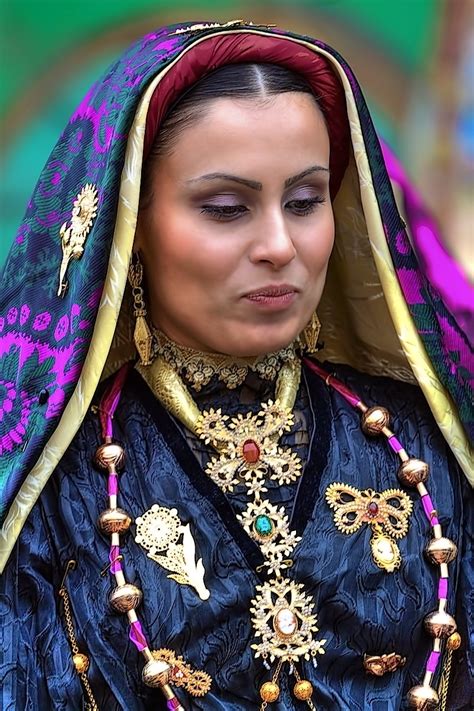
(236,240)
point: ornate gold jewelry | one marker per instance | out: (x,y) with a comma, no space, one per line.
(249,454)
(308,338)
(387,513)
(282,618)
(196,682)
(378,665)
(142,334)
(158,531)
(73,236)
(198,367)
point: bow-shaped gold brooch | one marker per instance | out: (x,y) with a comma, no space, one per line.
(386,512)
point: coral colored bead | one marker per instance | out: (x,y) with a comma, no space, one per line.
(251,451)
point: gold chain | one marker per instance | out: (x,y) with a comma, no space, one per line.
(444,681)
(90,704)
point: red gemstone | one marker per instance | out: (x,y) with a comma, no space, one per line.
(373,508)
(251,451)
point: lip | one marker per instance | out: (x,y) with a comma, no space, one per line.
(274,296)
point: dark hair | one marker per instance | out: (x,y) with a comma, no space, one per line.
(236,81)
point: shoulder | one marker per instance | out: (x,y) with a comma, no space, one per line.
(410,416)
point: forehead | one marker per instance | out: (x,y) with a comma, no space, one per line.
(247,133)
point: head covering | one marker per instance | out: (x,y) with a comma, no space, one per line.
(378,310)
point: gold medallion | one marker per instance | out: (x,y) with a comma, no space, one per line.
(73,236)
(159,531)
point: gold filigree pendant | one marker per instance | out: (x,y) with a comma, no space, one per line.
(284,622)
(248,449)
(269,526)
(385,551)
(74,235)
(387,513)
(284,625)
(158,531)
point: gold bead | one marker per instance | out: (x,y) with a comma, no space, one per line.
(125,597)
(441,550)
(81,663)
(413,472)
(453,642)
(423,698)
(156,673)
(108,454)
(374,420)
(440,624)
(114,521)
(269,692)
(303,689)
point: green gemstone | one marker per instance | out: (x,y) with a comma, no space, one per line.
(263,525)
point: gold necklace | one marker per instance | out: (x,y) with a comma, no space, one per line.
(248,453)
(198,367)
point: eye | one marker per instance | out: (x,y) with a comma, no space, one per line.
(304,206)
(224,212)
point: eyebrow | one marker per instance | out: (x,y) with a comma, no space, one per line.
(255,185)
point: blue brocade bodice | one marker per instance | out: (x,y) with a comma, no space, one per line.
(361,609)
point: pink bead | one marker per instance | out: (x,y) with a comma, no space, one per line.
(112,485)
(136,636)
(395,444)
(351,397)
(443,589)
(429,508)
(113,555)
(433,661)
(173,704)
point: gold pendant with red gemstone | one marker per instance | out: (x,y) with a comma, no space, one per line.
(387,513)
(248,449)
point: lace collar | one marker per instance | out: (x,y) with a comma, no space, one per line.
(199,367)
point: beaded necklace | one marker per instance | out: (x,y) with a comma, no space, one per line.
(158,672)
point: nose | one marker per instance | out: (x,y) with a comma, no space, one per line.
(272,241)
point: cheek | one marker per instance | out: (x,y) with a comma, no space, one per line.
(319,243)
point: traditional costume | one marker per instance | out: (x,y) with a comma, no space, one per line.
(206,532)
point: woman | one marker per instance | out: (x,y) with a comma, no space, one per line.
(220,531)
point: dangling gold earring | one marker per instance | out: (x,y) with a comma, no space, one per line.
(308,338)
(142,334)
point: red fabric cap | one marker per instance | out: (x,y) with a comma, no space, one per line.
(214,52)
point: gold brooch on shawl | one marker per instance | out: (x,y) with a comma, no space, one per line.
(158,531)
(74,235)
(387,513)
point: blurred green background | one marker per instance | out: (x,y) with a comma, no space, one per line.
(414,59)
